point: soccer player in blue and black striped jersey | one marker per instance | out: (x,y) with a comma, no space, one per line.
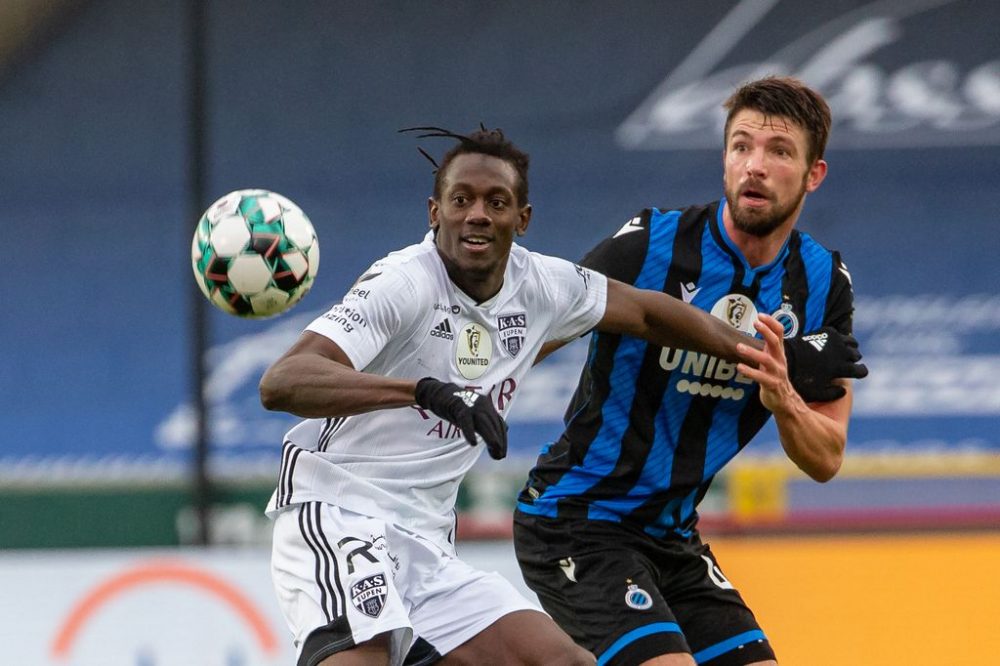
(606,526)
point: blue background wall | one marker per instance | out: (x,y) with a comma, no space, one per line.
(618,106)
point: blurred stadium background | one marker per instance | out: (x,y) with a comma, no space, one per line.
(100,497)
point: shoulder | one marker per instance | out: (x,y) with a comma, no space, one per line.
(657,218)
(402,276)
(812,251)
(675,215)
(809,245)
(560,279)
(524,262)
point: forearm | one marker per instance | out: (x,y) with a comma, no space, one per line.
(312,386)
(812,440)
(670,322)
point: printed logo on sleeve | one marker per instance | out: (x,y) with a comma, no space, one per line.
(635,224)
(347,317)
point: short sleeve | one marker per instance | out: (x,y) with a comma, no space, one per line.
(621,255)
(372,312)
(580,298)
(840,301)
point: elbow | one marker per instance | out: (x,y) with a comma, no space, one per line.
(825,470)
(271,395)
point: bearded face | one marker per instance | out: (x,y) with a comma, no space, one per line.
(766,173)
(767,213)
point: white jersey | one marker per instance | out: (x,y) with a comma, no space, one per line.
(405,318)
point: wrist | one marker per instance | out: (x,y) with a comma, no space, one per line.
(784,400)
(422,390)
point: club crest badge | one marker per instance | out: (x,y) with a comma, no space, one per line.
(638,598)
(512,328)
(788,320)
(368,595)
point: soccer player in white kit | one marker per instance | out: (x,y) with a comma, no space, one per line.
(423,357)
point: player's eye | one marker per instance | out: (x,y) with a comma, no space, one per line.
(459,199)
(499,204)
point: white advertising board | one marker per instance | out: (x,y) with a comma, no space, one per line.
(140,608)
(183,607)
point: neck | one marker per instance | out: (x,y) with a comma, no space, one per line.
(759,250)
(477,286)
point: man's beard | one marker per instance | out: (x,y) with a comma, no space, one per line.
(760,222)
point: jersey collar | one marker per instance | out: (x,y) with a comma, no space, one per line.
(723,240)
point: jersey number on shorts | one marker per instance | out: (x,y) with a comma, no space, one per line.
(715,573)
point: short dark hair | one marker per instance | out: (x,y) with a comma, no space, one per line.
(483,142)
(787,97)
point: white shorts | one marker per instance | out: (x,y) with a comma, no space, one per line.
(342,578)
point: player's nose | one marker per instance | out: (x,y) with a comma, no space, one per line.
(477,212)
(755,163)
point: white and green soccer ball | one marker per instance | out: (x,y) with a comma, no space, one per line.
(254,253)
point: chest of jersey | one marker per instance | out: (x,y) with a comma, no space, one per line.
(488,350)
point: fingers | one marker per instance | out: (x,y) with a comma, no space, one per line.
(468,427)
(760,376)
(770,365)
(494,432)
(497,449)
(481,424)
(752,356)
(772,332)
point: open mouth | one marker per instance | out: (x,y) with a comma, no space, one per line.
(754,197)
(475,242)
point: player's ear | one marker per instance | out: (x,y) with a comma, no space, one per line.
(524,217)
(817,172)
(433,211)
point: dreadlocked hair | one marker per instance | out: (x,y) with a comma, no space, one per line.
(484,142)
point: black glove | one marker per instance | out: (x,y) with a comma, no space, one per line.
(470,411)
(815,360)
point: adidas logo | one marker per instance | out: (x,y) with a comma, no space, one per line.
(443,330)
(817,340)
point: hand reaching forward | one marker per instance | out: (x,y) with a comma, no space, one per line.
(817,359)
(472,412)
(808,368)
(771,371)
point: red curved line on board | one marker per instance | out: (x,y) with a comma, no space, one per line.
(157,572)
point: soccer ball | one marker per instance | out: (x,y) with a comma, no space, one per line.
(254,253)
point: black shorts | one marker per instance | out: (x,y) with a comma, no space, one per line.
(627,596)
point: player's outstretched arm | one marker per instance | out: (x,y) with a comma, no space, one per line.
(813,435)
(669,322)
(315,379)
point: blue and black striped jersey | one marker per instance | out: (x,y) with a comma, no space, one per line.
(649,427)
